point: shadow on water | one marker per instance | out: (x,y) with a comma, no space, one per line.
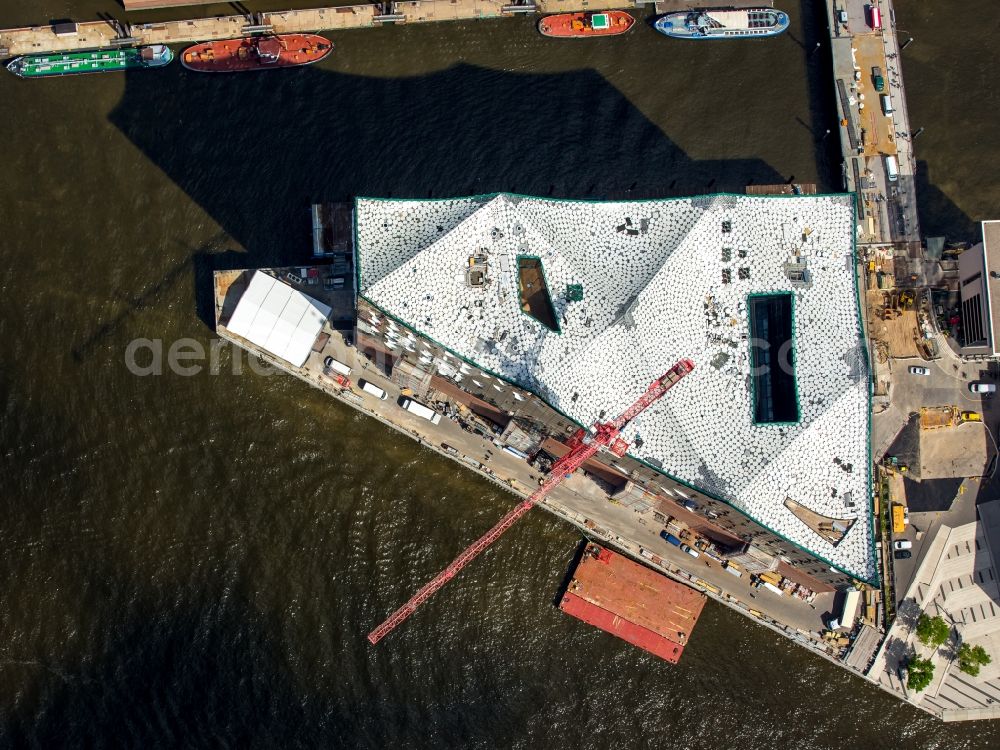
(570,570)
(254,151)
(939,216)
(818,59)
(154,293)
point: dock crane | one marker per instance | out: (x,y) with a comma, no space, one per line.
(582,446)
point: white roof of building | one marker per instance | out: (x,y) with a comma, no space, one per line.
(651,272)
(278,318)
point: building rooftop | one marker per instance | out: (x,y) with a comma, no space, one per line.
(635,286)
(991,252)
(957,579)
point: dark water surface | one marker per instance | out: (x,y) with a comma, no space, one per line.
(196,560)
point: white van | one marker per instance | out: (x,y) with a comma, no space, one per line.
(886,105)
(891,168)
(331,364)
(373,389)
(415,407)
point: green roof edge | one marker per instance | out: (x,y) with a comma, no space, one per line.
(875,581)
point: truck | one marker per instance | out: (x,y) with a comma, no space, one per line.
(670,538)
(877,80)
(891,168)
(415,407)
(849,609)
(898,518)
(874,16)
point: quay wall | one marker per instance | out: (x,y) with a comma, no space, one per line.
(553,505)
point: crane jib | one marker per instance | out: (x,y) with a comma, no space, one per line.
(581,448)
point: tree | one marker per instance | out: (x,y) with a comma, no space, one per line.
(932,631)
(919,673)
(971,658)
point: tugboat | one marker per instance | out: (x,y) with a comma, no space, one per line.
(723,23)
(96,61)
(256,53)
(582,25)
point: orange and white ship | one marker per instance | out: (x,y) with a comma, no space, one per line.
(586,24)
(256,53)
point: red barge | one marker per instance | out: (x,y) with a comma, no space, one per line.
(256,53)
(586,24)
(632,602)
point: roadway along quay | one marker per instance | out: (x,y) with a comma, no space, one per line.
(876,141)
(792,610)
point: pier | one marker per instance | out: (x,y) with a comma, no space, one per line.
(104,34)
(107,34)
(870,136)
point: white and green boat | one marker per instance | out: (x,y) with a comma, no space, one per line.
(96,61)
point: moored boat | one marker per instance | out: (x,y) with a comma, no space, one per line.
(94,61)
(723,23)
(586,24)
(256,53)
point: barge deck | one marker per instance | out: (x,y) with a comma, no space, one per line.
(632,602)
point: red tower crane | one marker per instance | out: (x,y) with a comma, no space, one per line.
(583,445)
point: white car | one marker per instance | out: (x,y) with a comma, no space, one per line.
(914,370)
(902,544)
(983,387)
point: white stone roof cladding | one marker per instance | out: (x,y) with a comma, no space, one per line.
(664,264)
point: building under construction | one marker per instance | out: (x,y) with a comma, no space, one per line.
(537,317)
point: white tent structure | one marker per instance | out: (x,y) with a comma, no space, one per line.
(278,318)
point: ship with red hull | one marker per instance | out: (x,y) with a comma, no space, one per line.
(256,53)
(586,24)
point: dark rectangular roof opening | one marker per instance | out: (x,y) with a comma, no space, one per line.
(534,292)
(775,397)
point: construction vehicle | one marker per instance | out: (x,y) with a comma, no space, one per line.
(877,80)
(898,518)
(583,445)
(971,416)
(892,462)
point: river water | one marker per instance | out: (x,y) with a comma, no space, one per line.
(195,560)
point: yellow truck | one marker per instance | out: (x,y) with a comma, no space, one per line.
(898,518)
